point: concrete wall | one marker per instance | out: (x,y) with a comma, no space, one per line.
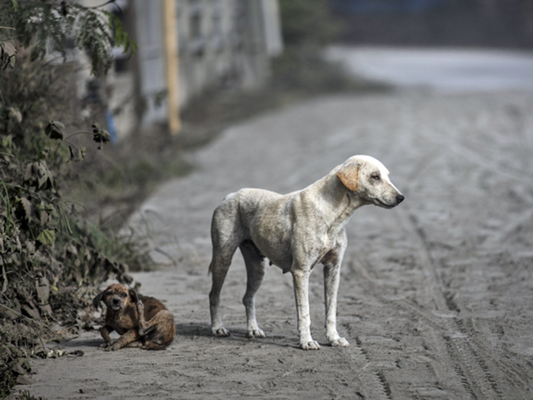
(219,42)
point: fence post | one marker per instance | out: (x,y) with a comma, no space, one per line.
(171,66)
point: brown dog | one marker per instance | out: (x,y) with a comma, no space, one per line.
(140,320)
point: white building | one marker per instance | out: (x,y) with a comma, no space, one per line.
(218,41)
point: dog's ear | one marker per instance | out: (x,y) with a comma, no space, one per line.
(133,296)
(96,300)
(349,175)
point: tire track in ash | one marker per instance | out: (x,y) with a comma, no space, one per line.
(454,345)
(463,356)
(471,359)
(375,384)
(362,269)
(496,150)
(458,352)
(448,347)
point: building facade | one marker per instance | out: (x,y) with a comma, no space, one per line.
(219,41)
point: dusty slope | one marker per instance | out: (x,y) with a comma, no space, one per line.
(436,294)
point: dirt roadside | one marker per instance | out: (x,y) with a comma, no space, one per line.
(435,296)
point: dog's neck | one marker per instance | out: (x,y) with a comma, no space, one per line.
(340,201)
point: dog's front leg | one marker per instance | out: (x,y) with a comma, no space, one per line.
(301,290)
(331,286)
(105,331)
(130,336)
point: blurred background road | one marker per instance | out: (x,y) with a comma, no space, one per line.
(437,69)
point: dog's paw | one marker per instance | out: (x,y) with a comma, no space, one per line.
(220,332)
(104,346)
(255,333)
(140,307)
(339,342)
(310,345)
(115,347)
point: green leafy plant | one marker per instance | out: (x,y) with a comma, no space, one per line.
(308,23)
(50,260)
(34,24)
(308,26)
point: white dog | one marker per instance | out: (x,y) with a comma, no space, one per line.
(295,231)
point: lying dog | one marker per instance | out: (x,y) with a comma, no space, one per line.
(295,232)
(140,320)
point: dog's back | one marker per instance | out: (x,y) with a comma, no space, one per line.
(254,215)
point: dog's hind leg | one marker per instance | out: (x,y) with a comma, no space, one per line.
(219,268)
(225,242)
(159,328)
(255,271)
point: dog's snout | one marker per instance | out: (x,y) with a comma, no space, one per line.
(116,301)
(400,198)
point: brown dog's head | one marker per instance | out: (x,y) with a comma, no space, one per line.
(116,297)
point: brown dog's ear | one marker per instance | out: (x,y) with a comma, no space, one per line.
(96,300)
(133,295)
(349,175)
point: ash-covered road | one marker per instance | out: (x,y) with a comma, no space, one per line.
(435,297)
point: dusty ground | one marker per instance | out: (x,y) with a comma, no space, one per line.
(435,296)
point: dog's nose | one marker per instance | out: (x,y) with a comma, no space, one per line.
(400,198)
(115,301)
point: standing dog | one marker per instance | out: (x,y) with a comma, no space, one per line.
(295,231)
(140,320)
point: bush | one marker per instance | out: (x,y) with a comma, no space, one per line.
(308,23)
(50,260)
(308,26)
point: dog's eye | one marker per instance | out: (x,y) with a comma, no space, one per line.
(123,294)
(376,177)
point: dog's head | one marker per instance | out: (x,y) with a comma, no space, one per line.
(116,297)
(369,180)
